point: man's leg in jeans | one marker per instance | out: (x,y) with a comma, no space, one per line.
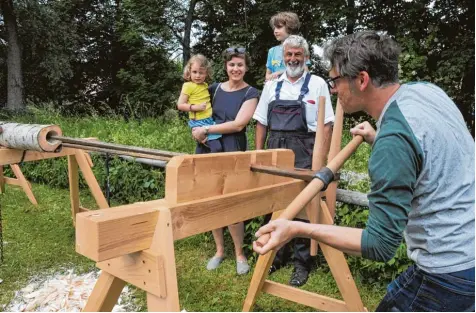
(302,260)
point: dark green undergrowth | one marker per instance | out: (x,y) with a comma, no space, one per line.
(131,182)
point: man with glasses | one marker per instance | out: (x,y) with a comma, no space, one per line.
(422,179)
(288,108)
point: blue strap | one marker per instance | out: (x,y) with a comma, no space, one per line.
(305,87)
(278,88)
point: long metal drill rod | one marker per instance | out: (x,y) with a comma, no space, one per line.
(113,146)
(117,152)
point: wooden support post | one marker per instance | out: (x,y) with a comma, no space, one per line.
(318,161)
(73,176)
(24,183)
(88,175)
(2,180)
(334,150)
(260,274)
(105,294)
(163,248)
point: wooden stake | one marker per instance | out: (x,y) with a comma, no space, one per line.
(334,150)
(73,176)
(2,180)
(318,160)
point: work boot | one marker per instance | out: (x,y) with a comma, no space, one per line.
(299,277)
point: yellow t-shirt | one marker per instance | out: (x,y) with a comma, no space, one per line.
(198,93)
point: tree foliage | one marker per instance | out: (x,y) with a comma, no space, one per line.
(120,56)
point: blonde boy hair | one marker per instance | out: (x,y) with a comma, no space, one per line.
(289,20)
(202,61)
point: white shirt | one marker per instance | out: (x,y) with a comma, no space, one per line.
(290,91)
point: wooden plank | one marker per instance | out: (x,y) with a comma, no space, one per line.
(207,175)
(304,297)
(163,246)
(199,216)
(105,294)
(13,156)
(25,185)
(73,177)
(259,275)
(106,234)
(90,179)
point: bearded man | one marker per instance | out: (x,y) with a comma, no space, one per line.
(288,108)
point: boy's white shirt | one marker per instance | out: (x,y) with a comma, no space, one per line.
(290,91)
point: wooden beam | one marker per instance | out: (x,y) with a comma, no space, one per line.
(259,275)
(304,297)
(199,216)
(25,185)
(73,177)
(105,234)
(2,180)
(90,179)
(13,156)
(105,294)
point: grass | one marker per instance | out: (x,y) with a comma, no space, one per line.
(40,241)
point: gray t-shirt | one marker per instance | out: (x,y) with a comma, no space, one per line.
(422,173)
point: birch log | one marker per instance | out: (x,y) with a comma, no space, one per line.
(30,137)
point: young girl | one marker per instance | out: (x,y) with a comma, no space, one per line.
(195,99)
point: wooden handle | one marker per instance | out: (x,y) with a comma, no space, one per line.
(315,186)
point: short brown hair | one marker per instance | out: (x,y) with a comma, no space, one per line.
(232,52)
(202,61)
(289,20)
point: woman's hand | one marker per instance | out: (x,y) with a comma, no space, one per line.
(198,133)
(365,130)
(280,232)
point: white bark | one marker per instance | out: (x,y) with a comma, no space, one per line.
(29,136)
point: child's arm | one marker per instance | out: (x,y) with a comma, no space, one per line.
(271,76)
(183,105)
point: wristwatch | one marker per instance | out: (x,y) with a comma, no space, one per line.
(207,128)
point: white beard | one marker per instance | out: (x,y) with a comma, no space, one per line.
(295,71)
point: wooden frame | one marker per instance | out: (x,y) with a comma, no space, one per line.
(135,243)
(77,159)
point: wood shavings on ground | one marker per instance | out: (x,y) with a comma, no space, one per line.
(62,292)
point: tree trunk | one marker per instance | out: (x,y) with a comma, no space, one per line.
(188,31)
(350,17)
(15,99)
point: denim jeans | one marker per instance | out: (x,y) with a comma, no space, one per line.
(416,290)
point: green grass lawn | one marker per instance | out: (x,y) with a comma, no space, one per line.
(40,241)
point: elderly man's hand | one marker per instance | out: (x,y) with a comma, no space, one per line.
(199,134)
(365,130)
(278,232)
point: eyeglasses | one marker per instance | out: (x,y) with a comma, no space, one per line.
(232,50)
(331,82)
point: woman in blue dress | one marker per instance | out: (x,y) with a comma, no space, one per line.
(233,102)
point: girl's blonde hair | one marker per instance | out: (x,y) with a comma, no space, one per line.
(202,61)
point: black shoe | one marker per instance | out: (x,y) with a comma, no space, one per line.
(299,277)
(273,268)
